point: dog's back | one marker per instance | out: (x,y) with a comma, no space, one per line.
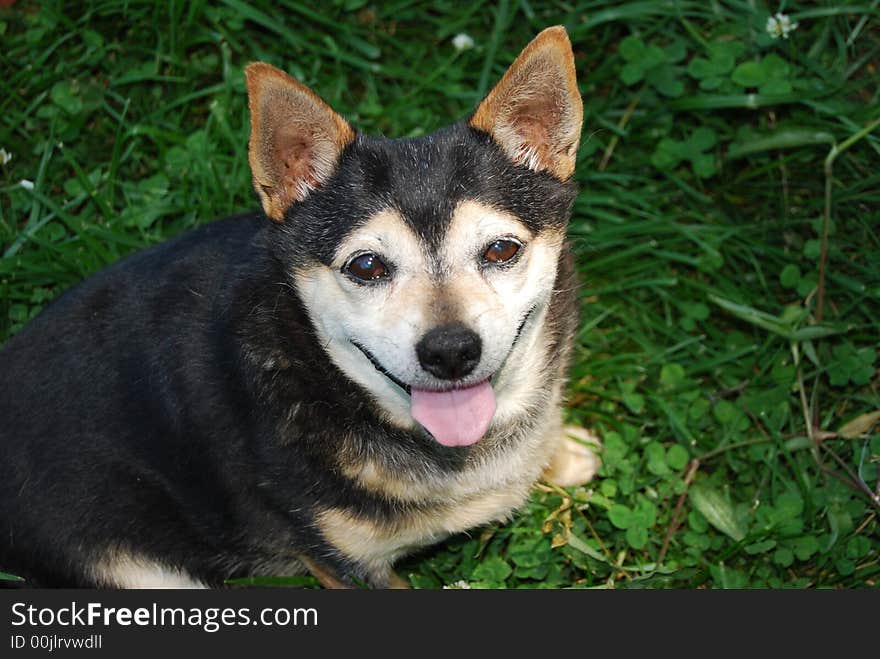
(110,401)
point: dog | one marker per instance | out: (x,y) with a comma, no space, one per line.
(372,363)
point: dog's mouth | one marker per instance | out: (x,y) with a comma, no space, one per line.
(454,417)
(459,416)
(378,366)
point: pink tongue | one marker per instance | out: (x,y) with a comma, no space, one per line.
(458,417)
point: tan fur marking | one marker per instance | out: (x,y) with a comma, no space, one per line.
(576,459)
(384,230)
(295,141)
(377,546)
(535,112)
(120,569)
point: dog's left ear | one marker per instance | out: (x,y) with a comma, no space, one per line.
(296,138)
(535,112)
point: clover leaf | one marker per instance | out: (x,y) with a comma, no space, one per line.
(851,365)
(712,71)
(770,75)
(652,64)
(669,153)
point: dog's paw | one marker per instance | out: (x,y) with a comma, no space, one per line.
(576,460)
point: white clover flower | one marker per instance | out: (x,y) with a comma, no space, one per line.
(462,42)
(5,156)
(27,185)
(780,25)
(458,585)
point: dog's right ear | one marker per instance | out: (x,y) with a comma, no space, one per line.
(296,138)
(535,111)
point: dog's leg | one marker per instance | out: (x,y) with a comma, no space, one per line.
(325,577)
(124,570)
(575,460)
(331,580)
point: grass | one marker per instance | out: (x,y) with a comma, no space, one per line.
(728,241)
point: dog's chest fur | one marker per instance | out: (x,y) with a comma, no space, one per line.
(432,505)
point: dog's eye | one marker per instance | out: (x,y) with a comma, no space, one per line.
(367,267)
(501,251)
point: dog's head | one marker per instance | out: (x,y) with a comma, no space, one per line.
(427,265)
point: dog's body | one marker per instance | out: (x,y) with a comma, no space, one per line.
(379,367)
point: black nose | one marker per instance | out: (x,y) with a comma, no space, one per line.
(449,351)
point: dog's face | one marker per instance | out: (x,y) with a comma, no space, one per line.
(427,265)
(433,323)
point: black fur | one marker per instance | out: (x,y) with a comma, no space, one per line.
(423,178)
(147,407)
